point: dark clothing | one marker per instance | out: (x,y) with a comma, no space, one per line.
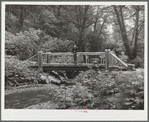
(74,50)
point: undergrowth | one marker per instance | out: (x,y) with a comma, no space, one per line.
(104,90)
(92,89)
(17,72)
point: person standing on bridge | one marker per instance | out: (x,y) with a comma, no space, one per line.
(74,50)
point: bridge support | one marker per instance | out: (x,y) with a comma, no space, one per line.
(130,67)
(40,61)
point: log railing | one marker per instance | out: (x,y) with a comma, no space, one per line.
(68,58)
(107,58)
(56,58)
(115,61)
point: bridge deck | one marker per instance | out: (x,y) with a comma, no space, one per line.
(60,66)
(70,66)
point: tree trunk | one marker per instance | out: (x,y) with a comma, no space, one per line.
(80,46)
(21,17)
(81,38)
(102,25)
(80,42)
(95,24)
(58,10)
(136,33)
(123,31)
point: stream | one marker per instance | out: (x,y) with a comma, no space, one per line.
(19,100)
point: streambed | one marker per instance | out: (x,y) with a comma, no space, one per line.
(22,98)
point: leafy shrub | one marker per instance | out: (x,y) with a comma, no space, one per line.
(57,45)
(23,44)
(75,96)
(10,43)
(11,23)
(30,42)
(27,43)
(17,72)
(104,86)
(132,87)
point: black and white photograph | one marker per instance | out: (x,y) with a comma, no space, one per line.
(74,60)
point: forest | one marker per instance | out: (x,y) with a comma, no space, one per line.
(92,28)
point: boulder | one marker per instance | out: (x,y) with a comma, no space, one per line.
(52,79)
(46,78)
(55,78)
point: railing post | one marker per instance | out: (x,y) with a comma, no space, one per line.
(87,59)
(40,61)
(48,57)
(106,66)
(107,58)
(131,67)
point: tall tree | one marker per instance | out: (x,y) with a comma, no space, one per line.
(121,22)
(21,20)
(82,18)
(136,31)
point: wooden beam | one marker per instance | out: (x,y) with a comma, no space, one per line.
(61,53)
(118,59)
(106,59)
(48,57)
(112,60)
(90,53)
(44,58)
(79,53)
(40,61)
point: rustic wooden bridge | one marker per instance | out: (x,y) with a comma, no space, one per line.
(78,61)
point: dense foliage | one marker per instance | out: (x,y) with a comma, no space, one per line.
(28,43)
(30,28)
(104,90)
(57,28)
(17,72)
(99,90)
